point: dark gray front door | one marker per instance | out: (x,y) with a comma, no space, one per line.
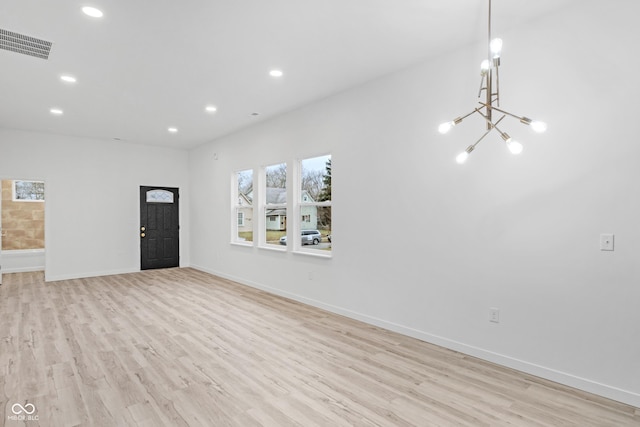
(159,228)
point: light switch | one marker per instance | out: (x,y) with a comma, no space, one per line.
(494,315)
(606,242)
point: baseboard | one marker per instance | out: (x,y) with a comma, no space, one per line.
(22,260)
(56,278)
(604,390)
(21,270)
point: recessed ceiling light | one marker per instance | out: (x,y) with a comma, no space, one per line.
(276,73)
(67,78)
(172,130)
(92,12)
(56,111)
(210,109)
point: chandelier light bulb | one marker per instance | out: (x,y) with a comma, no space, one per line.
(538,126)
(514,146)
(484,66)
(445,127)
(496,47)
(462,157)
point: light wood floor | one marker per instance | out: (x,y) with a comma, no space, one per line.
(179,347)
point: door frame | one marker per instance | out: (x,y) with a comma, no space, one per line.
(2,179)
(142,196)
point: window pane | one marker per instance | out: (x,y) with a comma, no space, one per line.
(244,206)
(276,177)
(245,182)
(276,201)
(316,179)
(276,226)
(245,224)
(315,227)
(28,190)
(159,196)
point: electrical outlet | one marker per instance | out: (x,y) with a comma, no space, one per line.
(606,242)
(494,315)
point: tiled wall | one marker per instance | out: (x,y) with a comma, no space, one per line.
(22,222)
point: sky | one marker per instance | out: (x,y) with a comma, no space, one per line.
(316,163)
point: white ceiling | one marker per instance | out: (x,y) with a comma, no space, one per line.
(147,65)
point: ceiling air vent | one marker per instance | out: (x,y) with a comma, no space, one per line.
(25,45)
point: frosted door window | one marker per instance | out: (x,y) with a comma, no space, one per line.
(159,196)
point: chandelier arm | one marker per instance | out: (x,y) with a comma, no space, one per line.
(475,110)
(505,136)
(490,123)
(523,119)
(473,146)
(461,118)
(490,127)
(482,77)
(498,84)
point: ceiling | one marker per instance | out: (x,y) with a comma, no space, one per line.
(148,65)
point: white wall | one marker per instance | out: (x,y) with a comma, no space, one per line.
(92,189)
(517,233)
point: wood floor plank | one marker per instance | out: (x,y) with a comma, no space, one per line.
(180,347)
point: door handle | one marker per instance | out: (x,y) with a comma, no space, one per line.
(142,235)
(142,228)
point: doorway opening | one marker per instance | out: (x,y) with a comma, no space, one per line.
(22,243)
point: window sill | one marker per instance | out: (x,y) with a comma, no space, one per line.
(244,244)
(315,254)
(273,248)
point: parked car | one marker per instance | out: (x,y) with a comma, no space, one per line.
(308,237)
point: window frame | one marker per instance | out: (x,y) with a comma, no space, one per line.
(236,205)
(298,206)
(265,206)
(14,192)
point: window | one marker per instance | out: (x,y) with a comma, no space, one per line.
(315,202)
(275,204)
(28,191)
(307,202)
(243,206)
(159,196)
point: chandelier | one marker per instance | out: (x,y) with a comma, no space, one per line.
(489,108)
